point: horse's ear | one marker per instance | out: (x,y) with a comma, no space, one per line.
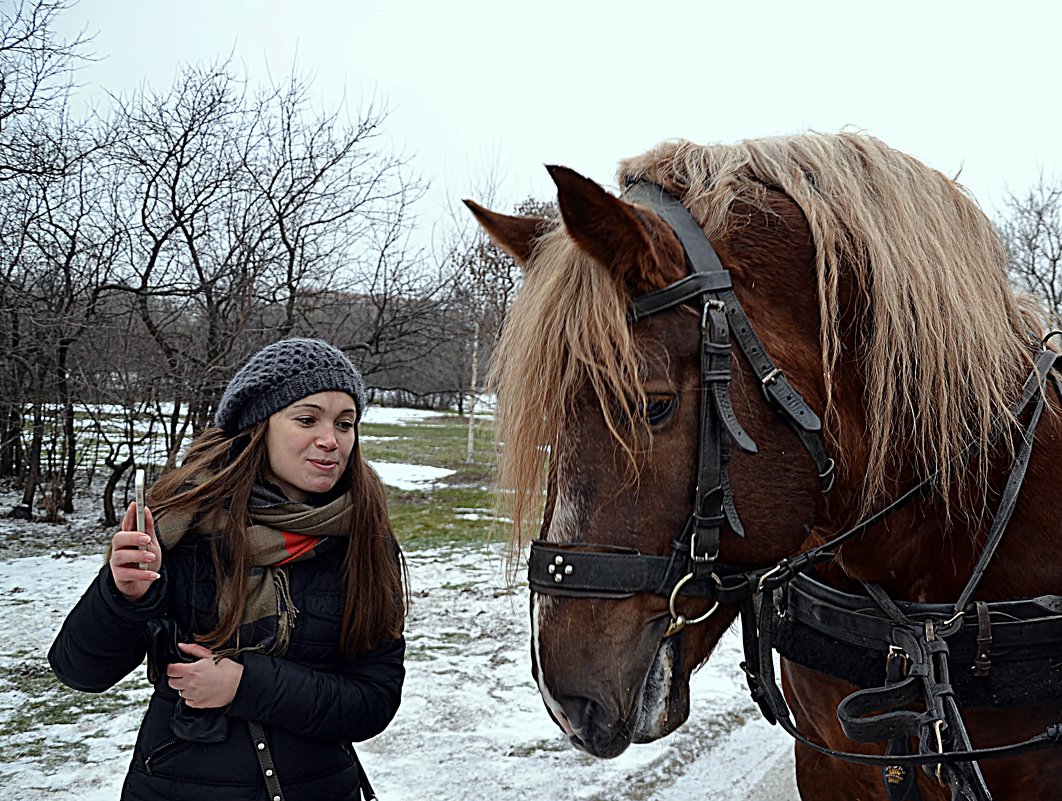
(515,235)
(634,243)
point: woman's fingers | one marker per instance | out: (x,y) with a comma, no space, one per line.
(130,539)
(129,519)
(206,682)
(195,649)
(136,556)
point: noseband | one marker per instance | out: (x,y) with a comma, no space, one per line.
(917,632)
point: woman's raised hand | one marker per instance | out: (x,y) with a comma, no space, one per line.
(134,569)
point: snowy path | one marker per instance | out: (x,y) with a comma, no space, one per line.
(471,724)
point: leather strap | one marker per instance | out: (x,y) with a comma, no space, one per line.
(367,793)
(269,771)
(1051,737)
(691,287)
(1011,490)
(265,760)
(983,659)
(899,780)
(1022,630)
(700,255)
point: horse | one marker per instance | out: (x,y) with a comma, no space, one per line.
(862,481)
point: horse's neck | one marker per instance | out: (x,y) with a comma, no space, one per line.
(927,553)
(1027,561)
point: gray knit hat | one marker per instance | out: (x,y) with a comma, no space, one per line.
(282,373)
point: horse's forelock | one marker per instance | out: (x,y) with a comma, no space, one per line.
(568,326)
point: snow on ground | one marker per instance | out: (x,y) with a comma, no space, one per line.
(393,474)
(393,415)
(409,476)
(471,717)
(471,722)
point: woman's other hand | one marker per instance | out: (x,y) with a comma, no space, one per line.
(134,570)
(207,682)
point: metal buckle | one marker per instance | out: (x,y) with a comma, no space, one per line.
(938,726)
(710,303)
(694,556)
(776,569)
(895,652)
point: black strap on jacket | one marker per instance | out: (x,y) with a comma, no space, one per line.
(269,770)
(265,760)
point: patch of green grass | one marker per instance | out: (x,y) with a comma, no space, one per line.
(439,441)
(44,701)
(440,517)
(458,509)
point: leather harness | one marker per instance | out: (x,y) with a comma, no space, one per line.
(861,639)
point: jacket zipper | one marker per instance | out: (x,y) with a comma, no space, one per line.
(167,749)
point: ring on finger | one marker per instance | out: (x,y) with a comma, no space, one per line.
(180,693)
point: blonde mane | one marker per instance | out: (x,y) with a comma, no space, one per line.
(946,342)
(567,326)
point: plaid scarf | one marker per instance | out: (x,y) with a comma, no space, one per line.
(281,532)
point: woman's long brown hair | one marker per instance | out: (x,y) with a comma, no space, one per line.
(212,479)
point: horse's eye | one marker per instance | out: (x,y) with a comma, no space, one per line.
(659,407)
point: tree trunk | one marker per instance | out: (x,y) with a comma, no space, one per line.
(110,519)
(11,440)
(69,436)
(471,450)
(24,510)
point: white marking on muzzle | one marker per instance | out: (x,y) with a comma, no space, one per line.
(554,707)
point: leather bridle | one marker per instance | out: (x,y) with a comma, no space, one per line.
(607,572)
(917,632)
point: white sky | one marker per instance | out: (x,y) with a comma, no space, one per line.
(490,85)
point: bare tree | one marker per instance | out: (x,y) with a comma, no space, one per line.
(147,252)
(1032,233)
(245,214)
(35,80)
(73,250)
(42,183)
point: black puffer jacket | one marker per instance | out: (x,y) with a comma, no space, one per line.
(311,703)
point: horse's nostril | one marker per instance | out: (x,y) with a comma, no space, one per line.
(593,728)
(577,710)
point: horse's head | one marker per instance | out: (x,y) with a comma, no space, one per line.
(607,415)
(624,457)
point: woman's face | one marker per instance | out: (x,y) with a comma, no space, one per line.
(309,442)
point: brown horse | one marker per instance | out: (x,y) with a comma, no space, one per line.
(879,290)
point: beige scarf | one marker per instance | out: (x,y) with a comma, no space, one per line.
(279,534)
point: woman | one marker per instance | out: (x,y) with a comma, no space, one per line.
(269,599)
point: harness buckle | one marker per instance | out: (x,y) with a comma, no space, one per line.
(895,652)
(710,304)
(938,728)
(828,476)
(698,557)
(778,568)
(771,377)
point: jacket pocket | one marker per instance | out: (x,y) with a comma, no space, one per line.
(163,752)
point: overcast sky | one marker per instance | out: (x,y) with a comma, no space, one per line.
(476,87)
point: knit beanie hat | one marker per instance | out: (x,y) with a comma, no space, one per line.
(282,373)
